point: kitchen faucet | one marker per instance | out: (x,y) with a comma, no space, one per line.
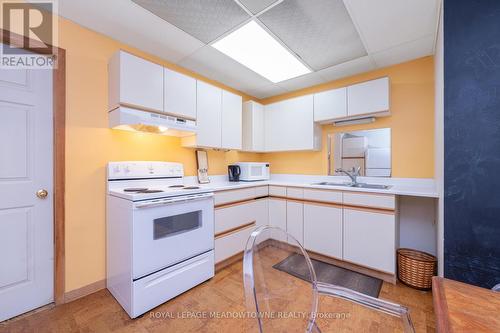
(353,174)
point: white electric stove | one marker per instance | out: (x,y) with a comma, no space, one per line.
(160,234)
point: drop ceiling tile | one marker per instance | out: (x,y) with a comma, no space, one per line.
(205,20)
(131,25)
(267,91)
(408,51)
(215,65)
(256,6)
(353,67)
(387,23)
(303,81)
(320,32)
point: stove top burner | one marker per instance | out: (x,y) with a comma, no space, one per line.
(191,187)
(141,190)
(175,186)
(135,189)
(151,191)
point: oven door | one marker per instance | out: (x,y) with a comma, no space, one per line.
(168,231)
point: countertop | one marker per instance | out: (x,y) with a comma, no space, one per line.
(461,307)
(399,186)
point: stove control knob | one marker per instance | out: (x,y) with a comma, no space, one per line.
(116,169)
(126,169)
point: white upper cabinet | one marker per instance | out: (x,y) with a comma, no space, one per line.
(289,125)
(179,94)
(253,126)
(330,104)
(368,97)
(231,120)
(208,118)
(135,82)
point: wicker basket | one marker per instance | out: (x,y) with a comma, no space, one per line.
(416,268)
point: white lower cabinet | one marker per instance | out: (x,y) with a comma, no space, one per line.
(295,220)
(277,216)
(370,239)
(323,229)
(235,223)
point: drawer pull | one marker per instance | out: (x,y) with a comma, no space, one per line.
(233,230)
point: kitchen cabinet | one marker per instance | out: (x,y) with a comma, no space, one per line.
(134,82)
(179,94)
(253,127)
(277,216)
(289,125)
(323,229)
(208,117)
(295,220)
(231,120)
(368,97)
(235,223)
(330,104)
(370,238)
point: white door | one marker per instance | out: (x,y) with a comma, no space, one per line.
(330,104)
(323,229)
(26,221)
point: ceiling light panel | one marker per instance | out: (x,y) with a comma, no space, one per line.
(204,20)
(256,6)
(255,48)
(321,32)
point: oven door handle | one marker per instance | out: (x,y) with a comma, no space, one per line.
(162,202)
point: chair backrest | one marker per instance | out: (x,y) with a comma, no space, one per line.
(278,301)
(282,302)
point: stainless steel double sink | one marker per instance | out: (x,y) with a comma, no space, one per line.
(358,185)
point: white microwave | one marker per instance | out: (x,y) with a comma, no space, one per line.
(252,171)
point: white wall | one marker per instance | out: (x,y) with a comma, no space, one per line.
(439,139)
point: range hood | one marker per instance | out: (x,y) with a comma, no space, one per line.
(124,118)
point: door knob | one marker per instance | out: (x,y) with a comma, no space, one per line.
(42,194)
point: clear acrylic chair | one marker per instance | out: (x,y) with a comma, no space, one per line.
(279,302)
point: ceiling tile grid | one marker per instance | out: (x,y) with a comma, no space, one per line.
(205,20)
(335,38)
(314,30)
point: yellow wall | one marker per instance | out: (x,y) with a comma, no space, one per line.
(411,121)
(90,145)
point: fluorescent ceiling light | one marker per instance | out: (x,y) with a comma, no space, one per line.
(256,49)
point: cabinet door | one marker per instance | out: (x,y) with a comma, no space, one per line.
(258,128)
(289,125)
(179,95)
(370,239)
(330,104)
(231,120)
(295,220)
(135,82)
(368,97)
(253,126)
(261,207)
(277,216)
(208,119)
(323,229)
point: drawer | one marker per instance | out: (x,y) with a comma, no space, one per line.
(323,195)
(229,196)
(261,191)
(157,288)
(232,243)
(375,200)
(227,218)
(294,192)
(277,191)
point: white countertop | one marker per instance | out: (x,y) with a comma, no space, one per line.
(419,187)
